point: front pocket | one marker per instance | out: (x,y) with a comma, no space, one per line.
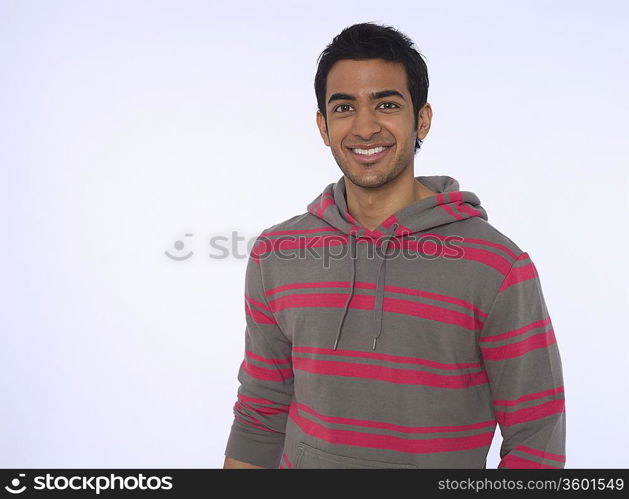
(311,457)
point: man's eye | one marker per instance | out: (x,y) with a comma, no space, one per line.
(391,103)
(395,106)
(341,105)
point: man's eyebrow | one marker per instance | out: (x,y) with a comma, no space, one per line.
(373,96)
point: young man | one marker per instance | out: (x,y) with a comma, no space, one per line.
(390,325)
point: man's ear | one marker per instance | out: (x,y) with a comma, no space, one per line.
(323,128)
(425,119)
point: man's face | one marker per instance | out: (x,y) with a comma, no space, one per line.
(356,120)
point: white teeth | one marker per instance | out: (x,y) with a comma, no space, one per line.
(368,152)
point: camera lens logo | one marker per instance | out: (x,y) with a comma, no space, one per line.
(16,483)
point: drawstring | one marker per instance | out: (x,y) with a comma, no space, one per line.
(352,255)
(380,289)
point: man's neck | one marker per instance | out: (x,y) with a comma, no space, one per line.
(370,207)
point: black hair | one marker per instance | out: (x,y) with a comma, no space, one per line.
(373,41)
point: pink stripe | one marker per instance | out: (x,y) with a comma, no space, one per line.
(258,400)
(403,230)
(493,260)
(268,411)
(266,360)
(265,373)
(388,374)
(464,207)
(256,303)
(335,300)
(517,462)
(519,274)
(530,396)
(470,240)
(431,312)
(265,411)
(322,284)
(313,208)
(292,243)
(325,204)
(448,209)
(386,357)
(400,444)
(257,316)
(434,296)
(539,453)
(455,197)
(354,228)
(500,263)
(390,426)
(457,203)
(389,221)
(426,246)
(238,407)
(397,305)
(530,413)
(541,340)
(286,460)
(500,247)
(515,332)
(297,232)
(370,285)
(324,196)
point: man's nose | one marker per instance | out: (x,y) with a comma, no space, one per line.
(366,124)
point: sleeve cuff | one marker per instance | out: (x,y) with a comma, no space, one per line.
(253,446)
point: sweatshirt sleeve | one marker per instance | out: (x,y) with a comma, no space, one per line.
(266,380)
(523,365)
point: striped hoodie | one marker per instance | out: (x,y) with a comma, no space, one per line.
(401,347)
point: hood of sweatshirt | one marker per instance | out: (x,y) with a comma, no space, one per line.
(449,205)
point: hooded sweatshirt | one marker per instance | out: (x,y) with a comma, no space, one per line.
(399,347)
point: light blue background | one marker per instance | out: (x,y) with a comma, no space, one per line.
(125,125)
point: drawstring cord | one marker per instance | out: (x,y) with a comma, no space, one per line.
(352,254)
(378,305)
(379,289)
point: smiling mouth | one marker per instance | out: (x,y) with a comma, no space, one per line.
(369,155)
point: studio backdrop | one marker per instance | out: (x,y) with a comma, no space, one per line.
(144,145)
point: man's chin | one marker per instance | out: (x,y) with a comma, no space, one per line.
(367,180)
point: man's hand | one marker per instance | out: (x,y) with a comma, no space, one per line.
(231,463)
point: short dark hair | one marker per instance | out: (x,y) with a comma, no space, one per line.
(374,41)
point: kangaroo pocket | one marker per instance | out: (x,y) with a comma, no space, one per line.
(311,457)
